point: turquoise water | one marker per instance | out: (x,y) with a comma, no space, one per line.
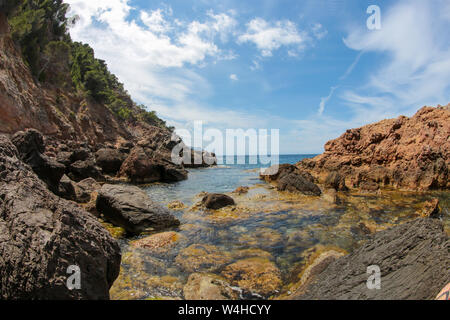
(220,179)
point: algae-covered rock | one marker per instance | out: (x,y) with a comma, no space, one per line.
(206,286)
(202,257)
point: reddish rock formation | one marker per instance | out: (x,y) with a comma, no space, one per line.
(405,153)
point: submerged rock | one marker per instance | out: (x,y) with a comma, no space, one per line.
(202,257)
(176,205)
(241,190)
(254,275)
(41,235)
(413,259)
(216,201)
(131,208)
(159,242)
(207,286)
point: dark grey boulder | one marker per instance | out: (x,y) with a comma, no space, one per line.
(42,235)
(132,209)
(81,170)
(217,200)
(413,259)
(299,182)
(110,160)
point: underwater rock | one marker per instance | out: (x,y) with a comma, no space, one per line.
(202,257)
(254,275)
(413,260)
(206,286)
(159,242)
(241,190)
(216,201)
(131,208)
(176,205)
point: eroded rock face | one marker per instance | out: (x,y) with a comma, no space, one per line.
(413,259)
(41,235)
(216,201)
(30,144)
(406,153)
(132,209)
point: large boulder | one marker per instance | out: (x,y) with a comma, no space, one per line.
(42,235)
(146,166)
(83,169)
(110,160)
(216,201)
(30,145)
(289,178)
(413,259)
(132,209)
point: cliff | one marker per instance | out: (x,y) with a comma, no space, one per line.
(404,153)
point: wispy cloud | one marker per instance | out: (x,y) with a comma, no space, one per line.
(269,37)
(324,100)
(416,44)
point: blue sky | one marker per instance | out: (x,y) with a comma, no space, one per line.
(309,68)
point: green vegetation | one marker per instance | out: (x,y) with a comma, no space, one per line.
(40,28)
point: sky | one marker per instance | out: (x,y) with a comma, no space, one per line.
(311,69)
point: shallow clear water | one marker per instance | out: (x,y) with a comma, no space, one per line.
(265,224)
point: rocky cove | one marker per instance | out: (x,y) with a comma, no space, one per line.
(90,181)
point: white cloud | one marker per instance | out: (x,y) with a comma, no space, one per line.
(414,40)
(269,37)
(234,77)
(155,21)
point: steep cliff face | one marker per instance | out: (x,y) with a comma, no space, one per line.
(59,113)
(405,153)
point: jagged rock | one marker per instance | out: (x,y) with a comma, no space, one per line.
(206,286)
(132,209)
(413,259)
(336,181)
(30,145)
(289,177)
(405,153)
(81,170)
(41,235)
(216,201)
(110,160)
(301,182)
